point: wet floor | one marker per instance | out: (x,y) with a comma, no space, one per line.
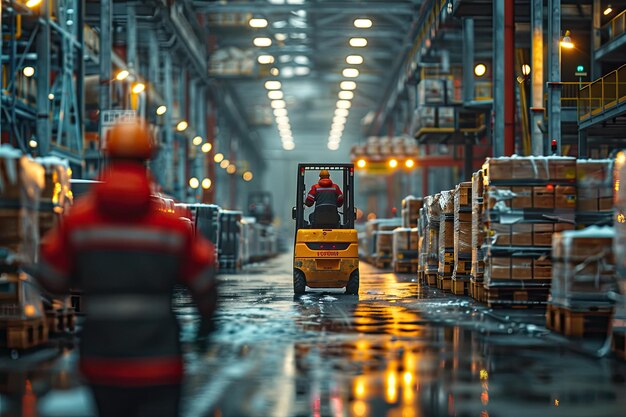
(396,350)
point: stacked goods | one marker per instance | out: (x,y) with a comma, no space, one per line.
(56,196)
(478,237)
(526,200)
(422,229)
(446,240)
(594,185)
(410,211)
(431,270)
(462,238)
(583,275)
(384,242)
(21,181)
(371,227)
(405,249)
(619,249)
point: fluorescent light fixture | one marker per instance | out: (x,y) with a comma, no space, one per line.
(302,71)
(275,95)
(225,163)
(350,72)
(344,104)
(197,140)
(219,157)
(258,23)
(182,126)
(333,146)
(342,112)
(206,183)
(273,85)
(348,85)
(122,75)
(28,71)
(265,59)
(288,72)
(301,60)
(231,169)
(139,88)
(280,112)
(358,42)
(280,37)
(354,59)
(282,119)
(247,176)
(206,148)
(278,104)
(194,182)
(275,72)
(339,119)
(289,146)
(346,95)
(363,23)
(161,110)
(480,70)
(262,42)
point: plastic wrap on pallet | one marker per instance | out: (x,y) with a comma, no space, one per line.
(594,181)
(478,228)
(446,202)
(462,230)
(21,182)
(446,235)
(434,211)
(410,211)
(507,198)
(525,234)
(619,244)
(405,245)
(384,244)
(540,168)
(584,268)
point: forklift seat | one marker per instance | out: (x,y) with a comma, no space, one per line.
(325,217)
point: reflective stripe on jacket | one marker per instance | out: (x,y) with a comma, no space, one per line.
(325,192)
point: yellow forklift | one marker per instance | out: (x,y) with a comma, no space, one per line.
(326,251)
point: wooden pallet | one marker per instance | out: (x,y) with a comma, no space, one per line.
(460,286)
(431,279)
(578,323)
(477,291)
(444,282)
(619,343)
(512,297)
(404,268)
(23,333)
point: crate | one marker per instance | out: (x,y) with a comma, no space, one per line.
(23,334)
(460,285)
(578,323)
(444,282)
(431,279)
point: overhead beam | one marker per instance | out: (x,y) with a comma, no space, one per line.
(338,7)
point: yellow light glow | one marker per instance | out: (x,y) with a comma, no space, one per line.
(258,23)
(346,95)
(197,140)
(408,378)
(206,183)
(182,126)
(525,69)
(608,10)
(161,110)
(354,59)
(359,408)
(122,75)
(409,163)
(350,72)
(566,42)
(262,42)
(348,85)
(139,88)
(363,23)
(32,3)
(28,71)
(275,72)
(29,310)
(273,85)
(342,112)
(225,163)
(231,169)
(393,163)
(358,42)
(281,120)
(361,163)
(50,96)
(206,148)
(621,218)
(480,70)
(265,59)
(219,157)
(484,374)
(247,176)
(344,104)
(359,387)
(275,95)
(392,390)
(194,182)
(32,143)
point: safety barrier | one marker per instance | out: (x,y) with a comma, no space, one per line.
(602,94)
(615,28)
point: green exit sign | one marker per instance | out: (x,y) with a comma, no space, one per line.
(580,68)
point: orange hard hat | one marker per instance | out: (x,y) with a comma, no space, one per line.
(324,173)
(130,141)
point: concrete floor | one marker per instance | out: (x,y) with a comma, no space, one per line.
(396,350)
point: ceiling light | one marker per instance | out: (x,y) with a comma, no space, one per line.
(363,23)
(354,59)
(348,85)
(344,104)
(32,143)
(358,42)
(275,72)
(480,70)
(350,72)
(51,96)
(28,71)
(139,88)
(161,110)
(302,71)
(219,157)
(247,176)
(566,42)
(281,37)
(258,23)
(231,169)
(206,183)
(280,112)
(122,75)
(337,127)
(197,140)
(265,59)
(526,69)
(342,112)
(409,163)
(288,72)
(361,163)
(262,42)
(289,146)
(282,119)
(608,10)
(333,146)
(32,3)
(334,138)
(393,163)
(272,85)
(301,60)
(225,163)
(346,95)
(206,148)
(275,95)
(182,126)
(278,104)
(194,182)
(339,119)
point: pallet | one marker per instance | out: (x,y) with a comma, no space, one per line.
(431,279)
(619,343)
(574,323)
(444,282)
(407,268)
(477,291)
(23,333)
(516,297)
(460,286)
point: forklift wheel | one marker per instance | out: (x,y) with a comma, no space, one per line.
(299,282)
(353,283)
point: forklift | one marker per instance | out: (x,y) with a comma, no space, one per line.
(326,250)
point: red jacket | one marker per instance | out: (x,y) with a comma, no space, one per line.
(127,256)
(325,192)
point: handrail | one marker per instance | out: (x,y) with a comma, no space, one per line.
(614,28)
(602,94)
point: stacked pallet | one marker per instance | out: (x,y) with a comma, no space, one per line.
(431,270)
(405,250)
(410,211)
(477,272)
(527,199)
(583,276)
(462,238)
(594,186)
(384,246)
(446,240)
(619,249)
(422,230)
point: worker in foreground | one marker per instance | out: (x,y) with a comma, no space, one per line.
(327,197)
(127,256)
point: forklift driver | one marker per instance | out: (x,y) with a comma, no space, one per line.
(327,197)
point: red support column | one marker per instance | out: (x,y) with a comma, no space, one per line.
(509,78)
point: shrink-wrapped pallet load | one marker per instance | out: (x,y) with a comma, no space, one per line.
(410,211)
(56,196)
(594,185)
(423,231)
(384,247)
(619,250)
(462,238)
(527,199)
(21,182)
(432,238)
(405,249)
(478,237)
(446,240)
